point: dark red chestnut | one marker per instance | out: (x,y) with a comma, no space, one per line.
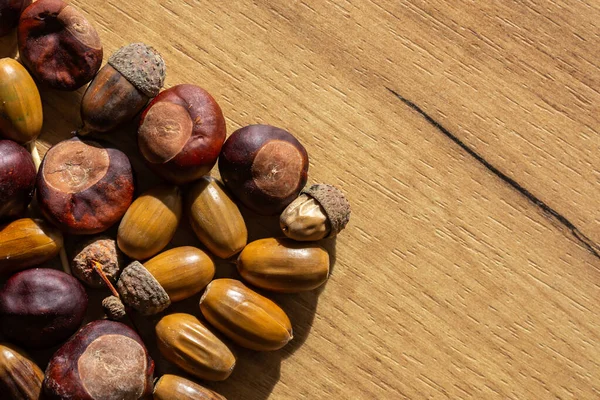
(105,360)
(84,188)
(10,11)
(58,45)
(264,167)
(41,307)
(181,133)
(17,179)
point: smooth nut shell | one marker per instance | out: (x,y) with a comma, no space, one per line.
(20,377)
(27,242)
(246,317)
(172,387)
(17,179)
(21,115)
(83,187)
(182,272)
(265,167)
(181,133)
(215,218)
(187,343)
(283,265)
(41,307)
(150,222)
(105,360)
(58,44)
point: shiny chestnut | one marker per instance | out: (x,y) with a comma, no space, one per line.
(181,133)
(58,45)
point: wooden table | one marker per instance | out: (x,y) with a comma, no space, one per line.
(465,134)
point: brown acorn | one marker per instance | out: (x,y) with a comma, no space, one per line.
(172,387)
(20,377)
(134,74)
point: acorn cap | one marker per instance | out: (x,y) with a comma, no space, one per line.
(334,203)
(113,308)
(142,66)
(141,291)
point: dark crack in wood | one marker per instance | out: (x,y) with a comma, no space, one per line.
(579,236)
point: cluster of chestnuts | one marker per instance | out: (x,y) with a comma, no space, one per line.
(84,186)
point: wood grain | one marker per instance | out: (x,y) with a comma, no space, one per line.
(449,282)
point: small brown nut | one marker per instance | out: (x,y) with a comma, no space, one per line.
(59,45)
(150,223)
(215,218)
(102,250)
(172,387)
(283,265)
(20,377)
(84,188)
(320,211)
(105,360)
(113,308)
(134,74)
(184,341)
(141,291)
(246,317)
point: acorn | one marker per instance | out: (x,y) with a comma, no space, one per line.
(171,276)
(172,387)
(321,211)
(186,342)
(102,250)
(134,75)
(21,114)
(150,222)
(27,242)
(284,265)
(20,377)
(215,218)
(244,316)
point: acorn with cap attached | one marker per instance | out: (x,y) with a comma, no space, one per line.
(321,211)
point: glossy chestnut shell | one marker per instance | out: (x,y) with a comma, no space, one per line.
(41,307)
(17,179)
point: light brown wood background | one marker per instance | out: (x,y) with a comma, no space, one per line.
(465,134)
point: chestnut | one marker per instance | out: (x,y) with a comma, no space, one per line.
(105,360)
(10,11)
(58,45)
(181,133)
(264,167)
(84,188)
(134,74)
(17,179)
(41,307)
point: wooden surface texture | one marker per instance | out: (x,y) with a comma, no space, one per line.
(465,134)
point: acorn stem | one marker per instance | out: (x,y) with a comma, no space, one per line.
(98,268)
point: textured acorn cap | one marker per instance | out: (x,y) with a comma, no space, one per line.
(113,308)
(141,291)
(141,65)
(334,203)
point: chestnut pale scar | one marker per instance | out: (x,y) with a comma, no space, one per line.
(79,27)
(72,167)
(277,168)
(166,129)
(113,367)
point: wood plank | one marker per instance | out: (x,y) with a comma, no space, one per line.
(448,283)
(517,81)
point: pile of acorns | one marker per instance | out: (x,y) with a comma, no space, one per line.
(84,187)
